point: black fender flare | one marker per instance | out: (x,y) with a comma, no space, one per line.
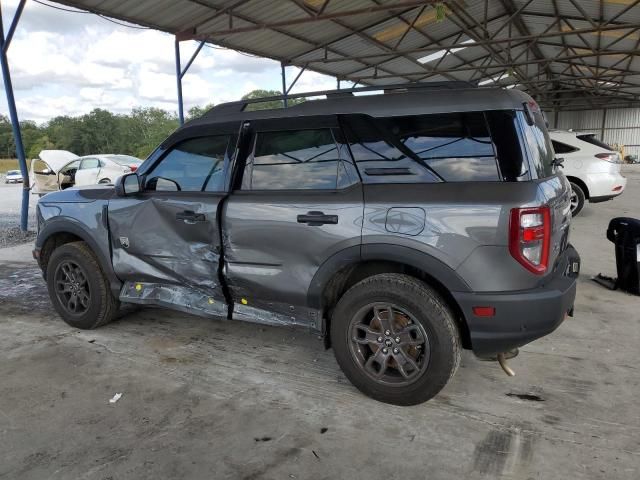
(430,265)
(70,225)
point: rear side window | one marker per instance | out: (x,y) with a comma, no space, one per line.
(194,165)
(298,160)
(538,143)
(453,147)
(89,163)
(560,147)
(591,138)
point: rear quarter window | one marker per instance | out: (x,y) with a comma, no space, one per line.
(538,144)
(560,147)
(452,147)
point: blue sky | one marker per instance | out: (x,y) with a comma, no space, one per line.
(66,63)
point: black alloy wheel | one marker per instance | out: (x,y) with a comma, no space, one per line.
(72,288)
(388,344)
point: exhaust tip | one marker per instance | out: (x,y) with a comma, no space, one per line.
(502,360)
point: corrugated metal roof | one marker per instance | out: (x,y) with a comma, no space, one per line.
(566,53)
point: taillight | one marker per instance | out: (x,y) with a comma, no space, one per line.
(133,168)
(609,157)
(530,237)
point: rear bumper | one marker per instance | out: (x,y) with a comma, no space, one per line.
(522,316)
(605,186)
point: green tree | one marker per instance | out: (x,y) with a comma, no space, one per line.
(7,145)
(41,143)
(150,126)
(256,94)
(197,111)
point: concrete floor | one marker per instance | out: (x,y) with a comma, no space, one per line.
(212,399)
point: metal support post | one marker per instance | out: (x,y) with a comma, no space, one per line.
(180,72)
(179,83)
(284,84)
(13,114)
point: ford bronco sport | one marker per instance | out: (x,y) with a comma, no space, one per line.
(402,227)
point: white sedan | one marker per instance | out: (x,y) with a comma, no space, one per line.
(58,169)
(591,166)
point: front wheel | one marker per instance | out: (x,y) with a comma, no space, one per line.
(577,199)
(395,339)
(78,288)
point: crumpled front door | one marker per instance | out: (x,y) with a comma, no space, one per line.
(171,240)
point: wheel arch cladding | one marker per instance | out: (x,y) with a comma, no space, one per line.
(354,264)
(60,232)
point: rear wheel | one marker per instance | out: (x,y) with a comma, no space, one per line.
(395,339)
(78,288)
(577,199)
(104,181)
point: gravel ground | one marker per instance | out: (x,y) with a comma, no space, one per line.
(10,201)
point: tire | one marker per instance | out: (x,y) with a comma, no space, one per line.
(577,199)
(95,305)
(104,181)
(425,316)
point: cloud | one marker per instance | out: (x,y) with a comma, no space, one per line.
(69,63)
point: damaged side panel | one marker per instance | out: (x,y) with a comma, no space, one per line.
(272,252)
(173,296)
(168,239)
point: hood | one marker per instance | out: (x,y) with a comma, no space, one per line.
(56,159)
(85,194)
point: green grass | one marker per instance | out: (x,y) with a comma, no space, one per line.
(9,164)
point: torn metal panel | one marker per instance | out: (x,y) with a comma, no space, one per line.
(173,296)
(269,317)
(167,238)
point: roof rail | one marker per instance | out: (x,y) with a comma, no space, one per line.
(241,105)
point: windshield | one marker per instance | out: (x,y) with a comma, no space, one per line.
(13,172)
(591,138)
(124,159)
(539,144)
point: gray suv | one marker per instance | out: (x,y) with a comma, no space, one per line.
(400,227)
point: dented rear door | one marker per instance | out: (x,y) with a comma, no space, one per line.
(298,204)
(166,240)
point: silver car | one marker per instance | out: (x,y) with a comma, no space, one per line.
(13,176)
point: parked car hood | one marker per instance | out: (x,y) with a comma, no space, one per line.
(56,159)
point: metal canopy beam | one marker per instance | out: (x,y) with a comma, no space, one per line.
(477,43)
(321,17)
(180,72)
(507,32)
(13,113)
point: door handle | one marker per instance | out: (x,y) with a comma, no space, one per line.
(189,216)
(315,219)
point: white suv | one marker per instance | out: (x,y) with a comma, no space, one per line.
(591,166)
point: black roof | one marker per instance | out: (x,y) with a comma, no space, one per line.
(423,99)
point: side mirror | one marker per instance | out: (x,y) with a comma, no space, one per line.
(128,184)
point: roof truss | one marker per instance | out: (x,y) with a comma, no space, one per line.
(566,54)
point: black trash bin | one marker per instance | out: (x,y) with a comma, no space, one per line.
(624,232)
